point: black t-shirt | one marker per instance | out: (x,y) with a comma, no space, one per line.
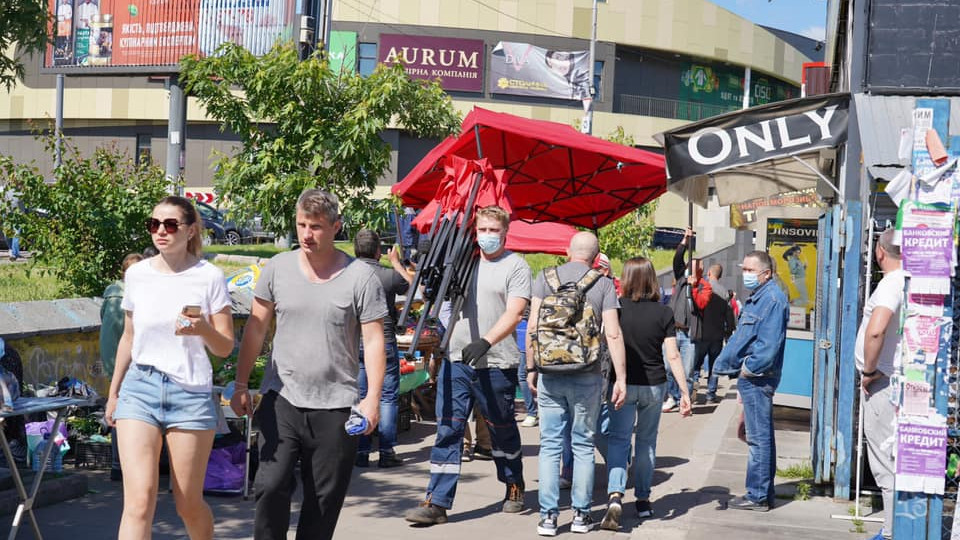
(645,325)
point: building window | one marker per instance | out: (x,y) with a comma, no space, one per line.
(367,58)
(598,79)
(144,155)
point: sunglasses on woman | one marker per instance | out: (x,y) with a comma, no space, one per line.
(171,225)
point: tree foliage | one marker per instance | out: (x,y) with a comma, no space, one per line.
(23,31)
(81,225)
(632,234)
(303,125)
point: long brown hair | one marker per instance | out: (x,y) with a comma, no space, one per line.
(192,218)
(639,281)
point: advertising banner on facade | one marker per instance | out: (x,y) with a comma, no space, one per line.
(145,33)
(458,63)
(745,213)
(522,69)
(792,244)
(343,51)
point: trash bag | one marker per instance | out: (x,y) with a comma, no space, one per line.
(224,470)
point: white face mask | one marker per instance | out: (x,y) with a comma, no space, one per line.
(489,243)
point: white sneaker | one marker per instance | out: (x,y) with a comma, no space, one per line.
(530,421)
(669,405)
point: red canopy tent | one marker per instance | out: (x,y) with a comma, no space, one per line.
(541,171)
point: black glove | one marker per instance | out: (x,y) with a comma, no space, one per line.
(475,351)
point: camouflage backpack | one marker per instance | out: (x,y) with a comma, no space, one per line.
(567,339)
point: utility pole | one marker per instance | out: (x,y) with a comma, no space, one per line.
(58,125)
(176,130)
(587,125)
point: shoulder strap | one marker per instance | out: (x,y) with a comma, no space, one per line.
(588,280)
(552,278)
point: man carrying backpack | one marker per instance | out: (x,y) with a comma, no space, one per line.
(569,307)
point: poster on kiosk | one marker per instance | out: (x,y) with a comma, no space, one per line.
(789,235)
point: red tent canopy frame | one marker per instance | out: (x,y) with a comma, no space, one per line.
(548,172)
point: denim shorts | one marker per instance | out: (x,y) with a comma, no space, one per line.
(150,396)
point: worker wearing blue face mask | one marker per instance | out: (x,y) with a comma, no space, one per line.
(481,369)
(754,353)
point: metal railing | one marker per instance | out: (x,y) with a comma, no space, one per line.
(669,108)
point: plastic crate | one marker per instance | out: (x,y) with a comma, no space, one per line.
(93,455)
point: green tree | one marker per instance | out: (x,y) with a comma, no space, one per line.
(632,234)
(23,31)
(81,225)
(303,125)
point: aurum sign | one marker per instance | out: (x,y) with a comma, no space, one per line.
(458,63)
(755,135)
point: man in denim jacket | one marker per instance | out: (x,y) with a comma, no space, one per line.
(755,354)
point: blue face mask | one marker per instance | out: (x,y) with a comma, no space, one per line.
(751,281)
(489,243)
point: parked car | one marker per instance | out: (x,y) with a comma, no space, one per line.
(224,231)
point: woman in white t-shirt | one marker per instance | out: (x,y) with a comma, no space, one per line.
(176,308)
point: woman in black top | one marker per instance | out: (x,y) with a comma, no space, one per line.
(648,333)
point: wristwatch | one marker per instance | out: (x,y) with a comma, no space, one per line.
(869,374)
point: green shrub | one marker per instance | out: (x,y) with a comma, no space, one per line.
(88,218)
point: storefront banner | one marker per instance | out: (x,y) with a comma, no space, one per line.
(921,455)
(343,51)
(755,135)
(792,244)
(120,33)
(458,63)
(522,69)
(745,213)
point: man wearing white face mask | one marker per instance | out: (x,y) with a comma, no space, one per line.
(754,353)
(482,368)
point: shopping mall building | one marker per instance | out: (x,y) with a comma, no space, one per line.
(658,65)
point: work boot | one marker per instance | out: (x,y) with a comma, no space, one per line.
(427,513)
(513,501)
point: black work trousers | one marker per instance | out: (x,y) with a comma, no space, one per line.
(315,437)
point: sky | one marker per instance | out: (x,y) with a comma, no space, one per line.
(804,17)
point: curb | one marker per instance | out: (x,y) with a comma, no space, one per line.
(52,490)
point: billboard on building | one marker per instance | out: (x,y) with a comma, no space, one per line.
(522,69)
(343,51)
(458,63)
(145,35)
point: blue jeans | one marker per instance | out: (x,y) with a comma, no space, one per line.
(15,245)
(704,350)
(639,416)
(387,428)
(686,358)
(494,390)
(757,395)
(567,400)
(528,398)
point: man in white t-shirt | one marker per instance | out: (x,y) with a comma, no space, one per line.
(877,342)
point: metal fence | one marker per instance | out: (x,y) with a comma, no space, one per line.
(669,108)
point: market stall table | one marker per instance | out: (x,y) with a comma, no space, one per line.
(21,407)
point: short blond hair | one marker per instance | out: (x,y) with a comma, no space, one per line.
(496,213)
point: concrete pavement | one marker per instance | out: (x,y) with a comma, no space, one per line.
(700,464)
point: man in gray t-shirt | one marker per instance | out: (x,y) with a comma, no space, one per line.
(571,401)
(325,302)
(482,367)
